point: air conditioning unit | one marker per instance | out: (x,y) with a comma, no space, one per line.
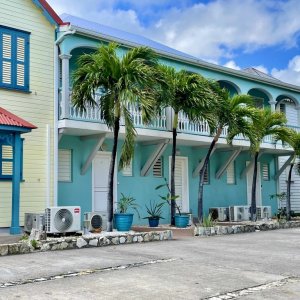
(95,221)
(62,219)
(239,213)
(263,212)
(34,221)
(219,213)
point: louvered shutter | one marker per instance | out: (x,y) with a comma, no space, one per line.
(230,173)
(65,165)
(6,59)
(265,172)
(14,59)
(158,168)
(7,161)
(127,171)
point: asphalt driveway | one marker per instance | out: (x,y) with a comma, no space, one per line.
(261,265)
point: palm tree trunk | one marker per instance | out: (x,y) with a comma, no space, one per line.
(173,204)
(202,172)
(253,191)
(110,196)
(288,194)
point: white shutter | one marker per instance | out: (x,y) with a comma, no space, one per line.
(179,182)
(6,58)
(230,173)
(158,168)
(20,61)
(7,154)
(127,171)
(265,172)
(65,165)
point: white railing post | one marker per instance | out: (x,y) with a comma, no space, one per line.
(65,86)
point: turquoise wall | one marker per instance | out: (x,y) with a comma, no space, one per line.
(216,193)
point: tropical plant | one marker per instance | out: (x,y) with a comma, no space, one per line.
(291,137)
(263,123)
(125,203)
(168,198)
(123,80)
(154,210)
(208,221)
(230,112)
(186,93)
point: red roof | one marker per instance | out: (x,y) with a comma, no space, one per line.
(51,12)
(9,119)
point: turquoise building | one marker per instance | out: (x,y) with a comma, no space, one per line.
(85,142)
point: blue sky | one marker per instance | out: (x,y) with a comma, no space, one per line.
(260,33)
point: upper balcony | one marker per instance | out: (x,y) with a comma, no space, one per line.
(162,124)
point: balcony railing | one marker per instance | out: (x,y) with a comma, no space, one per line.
(93,114)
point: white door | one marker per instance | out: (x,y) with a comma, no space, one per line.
(181,182)
(258,184)
(101,164)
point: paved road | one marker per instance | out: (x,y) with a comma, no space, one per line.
(262,265)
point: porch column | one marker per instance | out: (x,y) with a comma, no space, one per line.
(65,86)
(15,213)
(272,104)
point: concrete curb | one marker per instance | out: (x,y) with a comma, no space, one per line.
(84,241)
(244,228)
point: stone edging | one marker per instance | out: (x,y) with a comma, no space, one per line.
(244,228)
(85,241)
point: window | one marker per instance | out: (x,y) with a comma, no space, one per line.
(127,171)
(65,165)
(158,168)
(231,173)
(14,59)
(7,158)
(265,172)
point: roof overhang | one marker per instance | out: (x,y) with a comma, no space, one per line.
(49,12)
(191,61)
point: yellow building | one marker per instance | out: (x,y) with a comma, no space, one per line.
(27,36)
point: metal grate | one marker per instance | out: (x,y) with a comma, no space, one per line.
(63,220)
(96,222)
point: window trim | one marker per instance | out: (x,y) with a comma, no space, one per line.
(15,33)
(10,177)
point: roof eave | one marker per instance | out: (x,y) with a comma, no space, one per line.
(49,12)
(196,62)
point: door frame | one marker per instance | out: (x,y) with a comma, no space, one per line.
(185,180)
(103,153)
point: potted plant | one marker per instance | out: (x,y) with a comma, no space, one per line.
(208,224)
(122,219)
(154,211)
(181,220)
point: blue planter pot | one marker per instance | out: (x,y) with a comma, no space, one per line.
(181,221)
(153,222)
(123,222)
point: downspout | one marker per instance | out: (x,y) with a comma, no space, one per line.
(56,91)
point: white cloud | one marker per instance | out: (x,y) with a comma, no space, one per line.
(261,68)
(231,64)
(291,74)
(206,30)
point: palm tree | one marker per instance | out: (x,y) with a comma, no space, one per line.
(184,92)
(291,137)
(263,123)
(228,112)
(124,80)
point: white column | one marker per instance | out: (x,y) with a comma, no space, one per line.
(65,87)
(272,104)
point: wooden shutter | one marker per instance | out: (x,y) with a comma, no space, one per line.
(65,165)
(265,172)
(231,173)
(6,59)
(20,63)
(158,168)
(7,160)
(127,171)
